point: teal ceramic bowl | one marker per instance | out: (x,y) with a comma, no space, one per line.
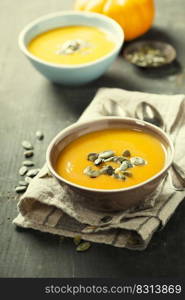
(72,74)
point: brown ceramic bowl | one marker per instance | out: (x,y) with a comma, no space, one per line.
(115,199)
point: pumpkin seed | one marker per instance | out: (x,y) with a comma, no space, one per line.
(28,179)
(89,229)
(124,166)
(28,153)
(61,238)
(106,219)
(126,153)
(129,164)
(148,56)
(77,239)
(39,134)
(27,145)
(119,176)
(33,172)
(71,46)
(106,154)
(23,170)
(109,170)
(23,183)
(20,189)
(91,173)
(28,163)
(108,159)
(119,159)
(127,174)
(98,161)
(83,246)
(138,161)
(92,156)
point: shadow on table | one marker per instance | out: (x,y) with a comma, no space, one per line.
(77,98)
(160,72)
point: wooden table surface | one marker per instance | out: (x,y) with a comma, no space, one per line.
(29,102)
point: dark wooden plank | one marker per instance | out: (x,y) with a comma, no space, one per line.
(29,102)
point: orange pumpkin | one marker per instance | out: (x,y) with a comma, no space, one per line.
(134,16)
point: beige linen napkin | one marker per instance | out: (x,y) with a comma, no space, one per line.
(49,207)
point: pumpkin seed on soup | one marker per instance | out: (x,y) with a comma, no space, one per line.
(91,173)
(126,153)
(106,154)
(92,156)
(121,172)
(138,161)
(98,161)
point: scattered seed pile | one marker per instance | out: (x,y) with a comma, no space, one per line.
(25,169)
(125,162)
(148,56)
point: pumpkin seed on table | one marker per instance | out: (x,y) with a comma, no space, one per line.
(77,239)
(23,183)
(33,172)
(84,246)
(27,145)
(28,179)
(39,134)
(28,153)
(28,163)
(23,170)
(20,189)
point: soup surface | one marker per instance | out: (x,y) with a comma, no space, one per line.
(72,45)
(73,159)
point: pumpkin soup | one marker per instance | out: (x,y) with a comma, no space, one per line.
(72,45)
(111,159)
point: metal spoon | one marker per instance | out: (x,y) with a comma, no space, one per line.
(146,112)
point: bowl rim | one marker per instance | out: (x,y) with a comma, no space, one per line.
(85,122)
(25,30)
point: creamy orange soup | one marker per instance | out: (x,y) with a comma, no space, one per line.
(73,159)
(72,45)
